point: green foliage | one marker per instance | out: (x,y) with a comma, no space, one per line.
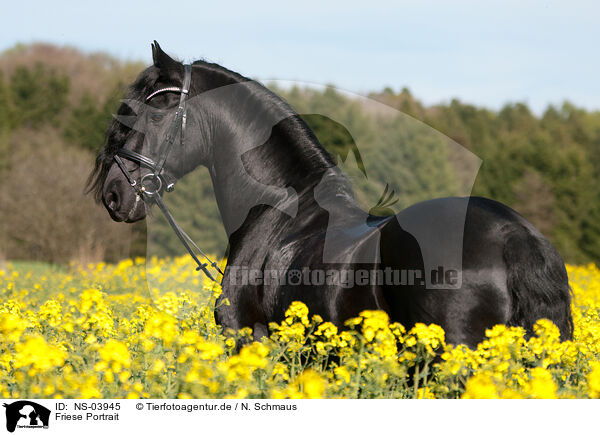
(335,137)
(88,120)
(4,124)
(86,124)
(546,167)
(38,95)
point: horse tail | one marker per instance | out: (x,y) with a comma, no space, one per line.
(537,281)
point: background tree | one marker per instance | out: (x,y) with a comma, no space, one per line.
(38,95)
(56,103)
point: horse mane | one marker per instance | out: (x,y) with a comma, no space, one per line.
(214,75)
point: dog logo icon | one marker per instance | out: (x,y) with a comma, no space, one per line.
(26,414)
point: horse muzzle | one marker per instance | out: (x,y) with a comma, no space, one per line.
(123,204)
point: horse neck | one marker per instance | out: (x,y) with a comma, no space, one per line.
(262,154)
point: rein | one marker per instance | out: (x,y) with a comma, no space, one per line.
(150,185)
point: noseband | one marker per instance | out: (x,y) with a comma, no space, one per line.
(150,185)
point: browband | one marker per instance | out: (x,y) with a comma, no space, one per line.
(160,91)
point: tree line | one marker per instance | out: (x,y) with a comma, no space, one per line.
(56,103)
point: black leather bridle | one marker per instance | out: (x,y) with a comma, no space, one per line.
(150,186)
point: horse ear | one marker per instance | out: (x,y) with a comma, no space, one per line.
(161,59)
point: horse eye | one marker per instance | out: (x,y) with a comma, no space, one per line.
(156,117)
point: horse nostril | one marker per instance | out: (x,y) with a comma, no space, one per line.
(112,201)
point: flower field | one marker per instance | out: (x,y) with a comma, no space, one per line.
(101,332)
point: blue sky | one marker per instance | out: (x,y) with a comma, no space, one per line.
(483,52)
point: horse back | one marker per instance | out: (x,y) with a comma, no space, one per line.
(509,272)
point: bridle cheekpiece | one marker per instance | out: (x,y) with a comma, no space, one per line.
(150,185)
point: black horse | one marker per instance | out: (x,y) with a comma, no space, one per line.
(286,207)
